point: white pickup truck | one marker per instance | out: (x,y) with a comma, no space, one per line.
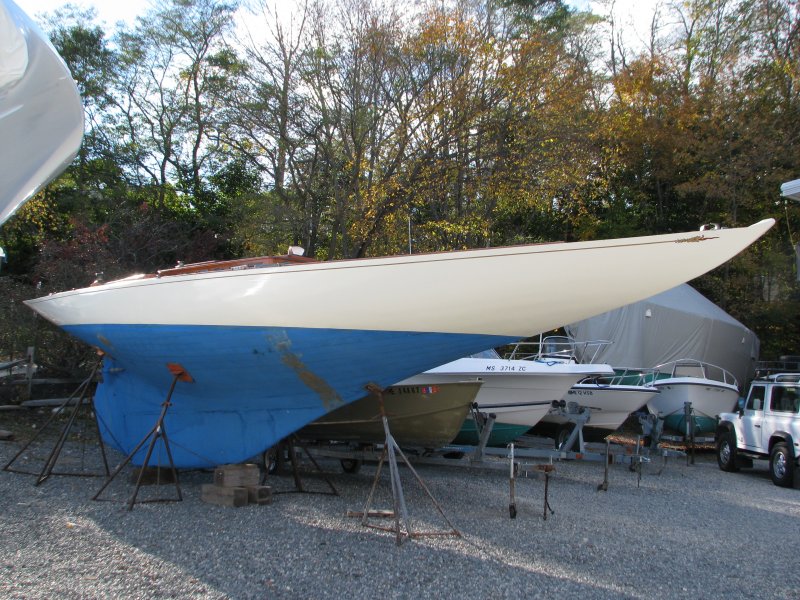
(766,427)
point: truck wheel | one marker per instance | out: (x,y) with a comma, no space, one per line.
(726,452)
(781,465)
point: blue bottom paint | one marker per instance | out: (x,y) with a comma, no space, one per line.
(252,386)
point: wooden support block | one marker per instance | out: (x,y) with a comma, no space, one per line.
(224,496)
(244,475)
(259,494)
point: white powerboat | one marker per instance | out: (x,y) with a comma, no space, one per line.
(518,392)
(609,397)
(710,389)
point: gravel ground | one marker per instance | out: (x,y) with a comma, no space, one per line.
(687,531)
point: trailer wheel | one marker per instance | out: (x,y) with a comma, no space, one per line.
(563,434)
(350,465)
(271,460)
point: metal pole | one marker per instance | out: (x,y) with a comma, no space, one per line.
(397,486)
(512,505)
(546,503)
(604,486)
(409,234)
(689,422)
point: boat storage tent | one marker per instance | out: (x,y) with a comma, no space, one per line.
(676,324)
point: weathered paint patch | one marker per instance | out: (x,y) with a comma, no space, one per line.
(327,394)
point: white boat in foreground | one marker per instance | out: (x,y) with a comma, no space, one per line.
(710,389)
(41,115)
(275,344)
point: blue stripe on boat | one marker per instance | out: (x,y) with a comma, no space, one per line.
(252,386)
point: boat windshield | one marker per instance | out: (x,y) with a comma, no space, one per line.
(490,353)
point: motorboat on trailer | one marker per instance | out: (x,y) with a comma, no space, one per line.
(607,398)
(41,114)
(708,389)
(519,393)
(232,357)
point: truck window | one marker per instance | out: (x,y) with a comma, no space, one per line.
(756,399)
(784,399)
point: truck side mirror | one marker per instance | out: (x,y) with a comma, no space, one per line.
(740,407)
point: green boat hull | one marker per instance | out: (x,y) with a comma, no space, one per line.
(702,424)
(502,434)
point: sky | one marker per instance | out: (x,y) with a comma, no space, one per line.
(633,16)
(109,11)
(112,11)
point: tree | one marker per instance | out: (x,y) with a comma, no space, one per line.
(173,77)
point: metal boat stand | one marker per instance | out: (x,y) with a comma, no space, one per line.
(653,429)
(515,468)
(83,399)
(289,445)
(578,416)
(484,423)
(636,460)
(158,431)
(574,446)
(390,451)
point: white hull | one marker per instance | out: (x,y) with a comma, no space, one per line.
(518,392)
(709,398)
(610,405)
(41,115)
(417,293)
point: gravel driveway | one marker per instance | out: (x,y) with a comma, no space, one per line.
(686,532)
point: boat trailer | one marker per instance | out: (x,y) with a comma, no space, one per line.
(512,458)
(482,456)
(653,429)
